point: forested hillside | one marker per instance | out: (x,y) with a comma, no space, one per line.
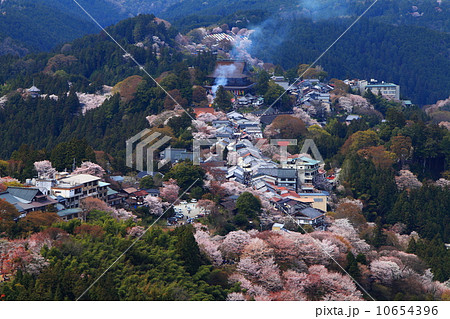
(88,64)
(429,14)
(387,217)
(40,26)
(415,58)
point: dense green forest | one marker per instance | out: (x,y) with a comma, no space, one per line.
(392,12)
(41,26)
(161,266)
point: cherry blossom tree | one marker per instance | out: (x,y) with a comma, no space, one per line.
(234,243)
(344,229)
(123,214)
(249,267)
(15,256)
(309,250)
(293,284)
(283,248)
(269,275)
(351,102)
(302,115)
(204,131)
(385,270)
(89,168)
(407,180)
(9,181)
(206,117)
(209,246)
(47,237)
(257,249)
(136,231)
(442,182)
(169,192)
(162,118)
(321,284)
(154,205)
(45,169)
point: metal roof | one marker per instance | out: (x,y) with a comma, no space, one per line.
(111,191)
(34,89)
(79,179)
(278,172)
(311,213)
(24,193)
(71,211)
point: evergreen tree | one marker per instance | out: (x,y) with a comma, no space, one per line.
(223,100)
(352,266)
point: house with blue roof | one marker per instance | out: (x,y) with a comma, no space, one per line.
(26,199)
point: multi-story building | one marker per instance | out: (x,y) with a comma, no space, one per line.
(282,177)
(307,169)
(76,187)
(390,90)
(176,155)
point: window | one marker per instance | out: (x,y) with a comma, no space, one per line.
(319,200)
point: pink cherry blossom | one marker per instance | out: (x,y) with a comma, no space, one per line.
(154,204)
(89,168)
(45,169)
(234,243)
(170,191)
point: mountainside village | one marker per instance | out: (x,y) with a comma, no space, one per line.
(298,186)
(251,152)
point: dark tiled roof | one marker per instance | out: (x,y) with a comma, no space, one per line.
(238,72)
(12,200)
(311,213)
(27,194)
(278,172)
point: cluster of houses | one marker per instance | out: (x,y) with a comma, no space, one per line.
(289,186)
(284,184)
(236,156)
(313,97)
(64,194)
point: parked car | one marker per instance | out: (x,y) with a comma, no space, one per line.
(200,215)
(171,221)
(193,200)
(179,215)
(184,202)
(190,220)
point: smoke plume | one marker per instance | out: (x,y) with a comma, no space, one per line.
(222,73)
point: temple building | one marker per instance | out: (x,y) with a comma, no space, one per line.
(233,75)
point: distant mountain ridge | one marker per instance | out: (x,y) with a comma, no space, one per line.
(42,25)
